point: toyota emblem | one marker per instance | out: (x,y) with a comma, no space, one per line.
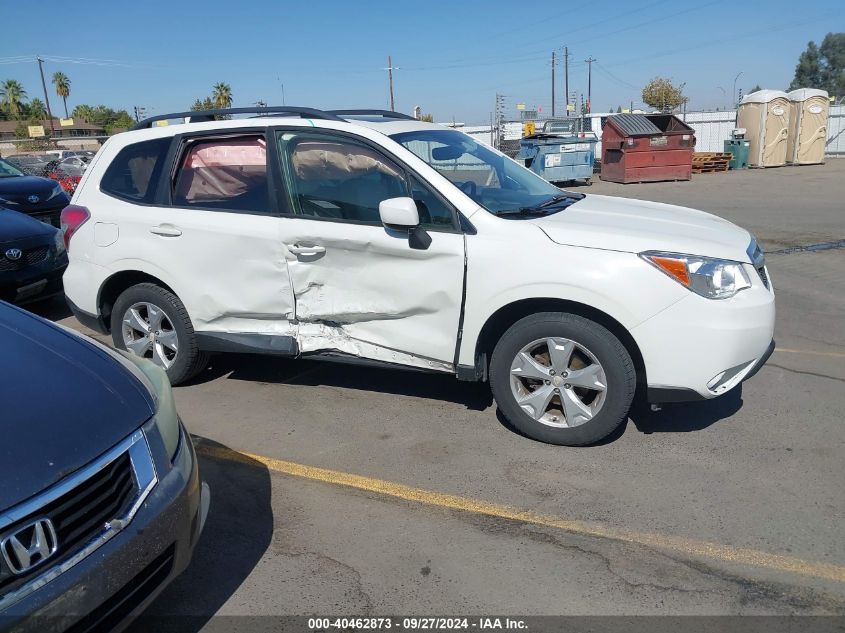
(33,199)
(14,254)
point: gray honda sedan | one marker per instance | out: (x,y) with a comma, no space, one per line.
(101,502)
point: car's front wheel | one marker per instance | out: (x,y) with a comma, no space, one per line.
(150,321)
(562,379)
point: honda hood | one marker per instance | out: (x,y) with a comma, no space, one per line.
(634,226)
(63,403)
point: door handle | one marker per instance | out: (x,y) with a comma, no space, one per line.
(166,230)
(306,249)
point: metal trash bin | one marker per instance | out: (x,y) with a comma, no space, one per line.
(739,147)
(562,152)
(646,148)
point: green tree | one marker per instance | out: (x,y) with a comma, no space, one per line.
(12,97)
(84,112)
(222,95)
(661,93)
(120,120)
(62,84)
(36,109)
(203,104)
(428,118)
(822,66)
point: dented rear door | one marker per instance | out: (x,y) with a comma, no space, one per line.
(359,288)
(215,237)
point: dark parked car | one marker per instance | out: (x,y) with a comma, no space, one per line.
(30,164)
(41,198)
(32,258)
(101,503)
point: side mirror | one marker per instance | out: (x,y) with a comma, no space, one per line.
(401,214)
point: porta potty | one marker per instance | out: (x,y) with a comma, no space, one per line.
(807,126)
(765,116)
(646,148)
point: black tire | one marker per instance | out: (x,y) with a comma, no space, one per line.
(608,350)
(189,360)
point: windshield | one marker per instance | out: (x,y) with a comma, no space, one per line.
(493,180)
(7,170)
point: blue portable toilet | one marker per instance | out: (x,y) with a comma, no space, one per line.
(562,152)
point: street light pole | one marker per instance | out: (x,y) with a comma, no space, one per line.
(734,92)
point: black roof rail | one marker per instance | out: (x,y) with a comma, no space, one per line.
(387,114)
(208,115)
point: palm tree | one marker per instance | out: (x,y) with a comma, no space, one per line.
(62,83)
(37,109)
(222,95)
(12,96)
(84,112)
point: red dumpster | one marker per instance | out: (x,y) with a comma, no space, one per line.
(646,148)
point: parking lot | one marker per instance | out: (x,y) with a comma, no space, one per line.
(346,490)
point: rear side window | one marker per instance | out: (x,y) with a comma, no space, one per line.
(229,174)
(135,170)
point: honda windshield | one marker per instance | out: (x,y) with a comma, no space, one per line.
(8,171)
(490,178)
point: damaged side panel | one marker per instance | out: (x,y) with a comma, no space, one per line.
(370,295)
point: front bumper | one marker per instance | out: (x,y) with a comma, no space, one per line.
(120,578)
(700,348)
(35,282)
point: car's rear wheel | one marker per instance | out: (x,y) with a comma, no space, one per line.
(562,379)
(152,322)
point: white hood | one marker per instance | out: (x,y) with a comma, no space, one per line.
(634,226)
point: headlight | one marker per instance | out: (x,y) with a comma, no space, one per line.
(706,276)
(56,191)
(166,418)
(59,240)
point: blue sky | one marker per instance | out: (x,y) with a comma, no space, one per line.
(452,56)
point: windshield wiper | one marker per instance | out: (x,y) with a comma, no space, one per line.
(523,212)
(545,207)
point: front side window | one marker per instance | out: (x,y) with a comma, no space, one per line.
(338,178)
(229,174)
(134,171)
(490,178)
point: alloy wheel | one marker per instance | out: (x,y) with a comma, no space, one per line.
(558,382)
(149,333)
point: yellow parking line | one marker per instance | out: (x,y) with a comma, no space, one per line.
(787,350)
(689,547)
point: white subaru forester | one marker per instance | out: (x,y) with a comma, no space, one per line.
(371,237)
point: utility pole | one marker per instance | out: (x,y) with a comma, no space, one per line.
(566,75)
(589,61)
(390,70)
(279,79)
(553,84)
(500,119)
(46,98)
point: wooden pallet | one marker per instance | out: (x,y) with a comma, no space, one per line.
(710,162)
(710,156)
(710,167)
